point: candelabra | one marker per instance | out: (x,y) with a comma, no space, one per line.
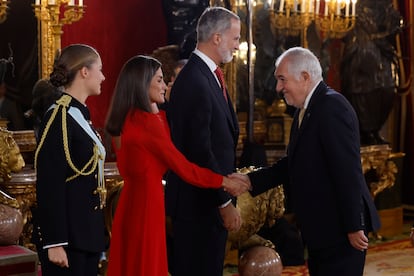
(52,16)
(337,19)
(291,16)
(3,10)
(333,18)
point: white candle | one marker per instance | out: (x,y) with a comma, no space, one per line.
(37,2)
(71,2)
(318,3)
(281,6)
(51,2)
(326,7)
(302,6)
(311,6)
(353,7)
(295,5)
(80,3)
(347,8)
(338,7)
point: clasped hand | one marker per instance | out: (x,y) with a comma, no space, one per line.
(236,183)
(358,240)
(57,255)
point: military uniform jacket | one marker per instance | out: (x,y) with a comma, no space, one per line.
(68,211)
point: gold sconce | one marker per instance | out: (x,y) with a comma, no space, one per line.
(3,10)
(333,18)
(52,15)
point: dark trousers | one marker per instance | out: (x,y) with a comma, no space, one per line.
(198,248)
(80,264)
(340,260)
(288,241)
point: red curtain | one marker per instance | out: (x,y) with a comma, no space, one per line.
(118,30)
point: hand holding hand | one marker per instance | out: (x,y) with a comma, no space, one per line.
(235,185)
(57,255)
(358,240)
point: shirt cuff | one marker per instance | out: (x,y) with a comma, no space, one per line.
(55,245)
(225,204)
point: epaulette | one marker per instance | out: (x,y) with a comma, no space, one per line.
(64,100)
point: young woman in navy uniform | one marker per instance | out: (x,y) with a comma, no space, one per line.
(69,162)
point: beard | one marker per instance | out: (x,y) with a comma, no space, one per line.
(225,54)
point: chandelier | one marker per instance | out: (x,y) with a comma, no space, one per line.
(333,18)
(3,10)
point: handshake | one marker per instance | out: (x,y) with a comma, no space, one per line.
(236,183)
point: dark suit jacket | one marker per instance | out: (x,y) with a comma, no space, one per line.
(204,128)
(322,173)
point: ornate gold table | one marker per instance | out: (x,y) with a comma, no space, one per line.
(381,171)
(379,167)
(22,187)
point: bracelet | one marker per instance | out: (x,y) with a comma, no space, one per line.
(412,229)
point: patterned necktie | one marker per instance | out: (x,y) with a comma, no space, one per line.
(301,114)
(220,77)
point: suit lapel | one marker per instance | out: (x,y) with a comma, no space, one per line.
(296,132)
(217,93)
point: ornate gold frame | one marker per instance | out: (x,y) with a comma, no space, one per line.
(50,23)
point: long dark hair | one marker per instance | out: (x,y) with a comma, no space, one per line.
(131,91)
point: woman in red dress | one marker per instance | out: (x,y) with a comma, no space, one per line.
(145,152)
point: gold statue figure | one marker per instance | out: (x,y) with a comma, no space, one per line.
(11,159)
(256,212)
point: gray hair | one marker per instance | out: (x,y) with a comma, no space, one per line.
(301,60)
(214,20)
